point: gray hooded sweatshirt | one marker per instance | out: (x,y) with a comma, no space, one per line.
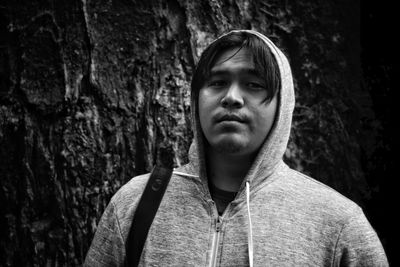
(279,217)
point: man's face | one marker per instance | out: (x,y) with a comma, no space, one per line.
(234,116)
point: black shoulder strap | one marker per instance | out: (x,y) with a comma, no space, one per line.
(145,212)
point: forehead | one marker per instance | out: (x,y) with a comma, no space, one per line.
(234,59)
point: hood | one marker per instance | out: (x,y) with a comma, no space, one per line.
(271,153)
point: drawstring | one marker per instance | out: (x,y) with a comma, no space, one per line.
(250,235)
(186,174)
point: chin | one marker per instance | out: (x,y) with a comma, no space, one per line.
(230,146)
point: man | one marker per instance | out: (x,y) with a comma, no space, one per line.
(237,203)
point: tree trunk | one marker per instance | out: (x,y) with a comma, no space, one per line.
(94,92)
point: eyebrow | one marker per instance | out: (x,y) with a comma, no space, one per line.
(249,71)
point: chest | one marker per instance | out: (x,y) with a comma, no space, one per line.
(188,231)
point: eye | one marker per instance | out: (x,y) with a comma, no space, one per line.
(217,83)
(255,86)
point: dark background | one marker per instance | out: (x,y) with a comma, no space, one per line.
(93,92)
(380,64)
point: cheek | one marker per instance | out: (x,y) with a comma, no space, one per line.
(207,100)
(266,117)
(204,108)
(201,101)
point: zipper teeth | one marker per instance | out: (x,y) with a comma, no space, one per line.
(215,243)
(216,236)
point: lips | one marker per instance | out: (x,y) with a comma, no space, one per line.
(230,117)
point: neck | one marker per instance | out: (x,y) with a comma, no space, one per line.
(227,171)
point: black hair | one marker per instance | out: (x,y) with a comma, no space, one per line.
(263,59)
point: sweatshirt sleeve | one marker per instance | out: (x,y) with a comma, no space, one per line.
(108,247)
(358,244)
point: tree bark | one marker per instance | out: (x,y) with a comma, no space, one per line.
(94,92)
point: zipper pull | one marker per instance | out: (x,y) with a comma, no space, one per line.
(218,224)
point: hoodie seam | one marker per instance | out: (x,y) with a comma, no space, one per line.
(337,244)
(118,224)
(198,184)
(343,227)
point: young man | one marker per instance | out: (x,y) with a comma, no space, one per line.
(237,203)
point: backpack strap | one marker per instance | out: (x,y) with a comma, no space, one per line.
(145,213)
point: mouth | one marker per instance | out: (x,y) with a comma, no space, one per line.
(230,117)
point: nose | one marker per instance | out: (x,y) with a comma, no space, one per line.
(233,97)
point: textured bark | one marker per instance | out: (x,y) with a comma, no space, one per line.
(94,92)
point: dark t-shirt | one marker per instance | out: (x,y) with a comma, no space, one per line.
(221,197)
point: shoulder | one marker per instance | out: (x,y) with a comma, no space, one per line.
(316,197)
(108,244)
(356,241)
(130,191)
(126,199)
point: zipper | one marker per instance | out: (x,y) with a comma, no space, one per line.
(215,242)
